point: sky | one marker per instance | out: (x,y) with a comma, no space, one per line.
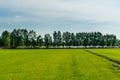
(46,16)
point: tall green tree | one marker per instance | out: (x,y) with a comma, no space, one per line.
(0,42)
(25,36)
(32,38)
(114,40)
(13,39)
(6,39)
(39,41)
(48,40)
(67,38)
(19,38)
(59,42)
(55,37)
(72,42)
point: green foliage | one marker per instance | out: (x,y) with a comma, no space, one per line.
(39,41)
(0,42)
(67,38)
(57,37)
(48,40)
(32,37)
(18,38)
(5,39)
(22,38)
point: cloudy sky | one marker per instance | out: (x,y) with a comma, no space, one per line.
(45,16)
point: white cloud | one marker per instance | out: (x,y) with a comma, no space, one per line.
(97,11)
(86,10)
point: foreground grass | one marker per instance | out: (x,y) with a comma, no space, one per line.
(67,64)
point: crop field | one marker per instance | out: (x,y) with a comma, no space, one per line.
(60,64)
(113,54)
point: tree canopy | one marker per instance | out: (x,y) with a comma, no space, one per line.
(5,39)
(22,38)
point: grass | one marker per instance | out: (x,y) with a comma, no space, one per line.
(58,64)
(110,53)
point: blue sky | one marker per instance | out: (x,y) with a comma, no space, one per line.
(45,16)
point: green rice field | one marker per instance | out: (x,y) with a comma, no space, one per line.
(59,64)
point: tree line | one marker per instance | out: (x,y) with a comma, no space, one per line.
(22,38)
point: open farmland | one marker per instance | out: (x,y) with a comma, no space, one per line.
(59,64)
(113,54)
